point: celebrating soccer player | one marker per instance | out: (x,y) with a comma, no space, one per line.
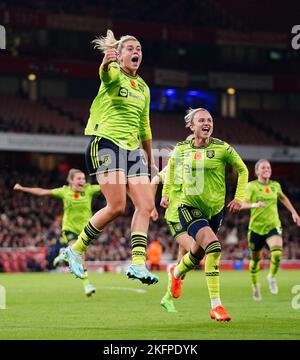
(178,233)
(77,199)
(202,162)
(118,123)
(265,226)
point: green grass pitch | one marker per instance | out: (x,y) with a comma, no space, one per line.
(53,306)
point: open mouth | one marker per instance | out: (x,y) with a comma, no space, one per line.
(205,129)
(135,59)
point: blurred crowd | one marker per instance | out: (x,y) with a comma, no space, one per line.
(29,221)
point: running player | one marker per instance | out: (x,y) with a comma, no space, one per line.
(202,162)
(265,226)
(118,123)
(178,233)
(77,199)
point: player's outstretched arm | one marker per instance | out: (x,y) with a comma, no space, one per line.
(32,190)
(246,205)
(287,203)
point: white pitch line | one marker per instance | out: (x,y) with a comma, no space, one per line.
(140,291)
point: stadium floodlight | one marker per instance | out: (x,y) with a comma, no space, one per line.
(31,77)
(2,37)
(231,91)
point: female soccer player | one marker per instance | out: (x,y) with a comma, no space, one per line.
(265,226)
(179,234)
(118,123)
(77,199)
(202,162)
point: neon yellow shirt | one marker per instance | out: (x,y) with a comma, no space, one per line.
(171,213)
(120,111)
(202,174)
(263,220)
(77,206)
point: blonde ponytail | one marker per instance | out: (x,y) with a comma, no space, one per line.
(109,41)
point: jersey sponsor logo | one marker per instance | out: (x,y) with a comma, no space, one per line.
(133,84)
(123,92)
(197,156)
(210,154)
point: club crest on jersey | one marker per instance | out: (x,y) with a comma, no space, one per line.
(123,92)
(133,84)
(210,154)
(141,88)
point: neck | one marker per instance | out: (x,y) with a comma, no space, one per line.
(131,72)
(201,142)
(263,180)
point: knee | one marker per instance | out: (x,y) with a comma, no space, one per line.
(145,207)
(276,255)
(117,209)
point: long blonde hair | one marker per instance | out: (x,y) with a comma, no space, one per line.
(109,41)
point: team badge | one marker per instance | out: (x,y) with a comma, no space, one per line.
(141,88)
(210,154)
(178,227)
(105,159)
(196,213)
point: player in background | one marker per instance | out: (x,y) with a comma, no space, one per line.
(265,226)
(202,162)
(178,233)
(77,200)
(118,124)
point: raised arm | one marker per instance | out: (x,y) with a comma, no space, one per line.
(33,190)
(287,203)
(109,69)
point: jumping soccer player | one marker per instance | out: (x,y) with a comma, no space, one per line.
(118,123)
(202,162)
(77,199)
(265,226)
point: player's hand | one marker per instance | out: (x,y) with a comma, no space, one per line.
(164,202)
(234,206)
(154,214)
(109,56)
(261,204)
(296,218)
(17,187)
